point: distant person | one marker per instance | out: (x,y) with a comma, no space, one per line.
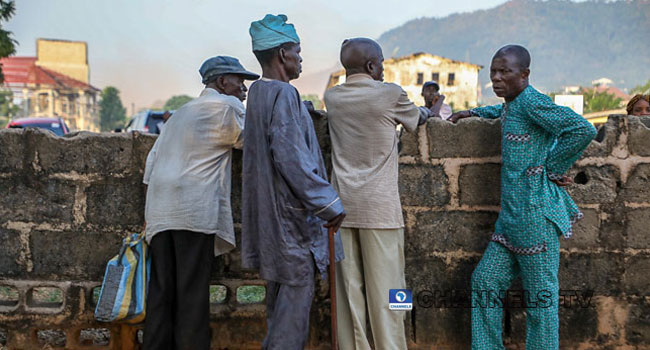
(161,124)
(187,213)
(431,94)
(540,141)
(639,105)
(286,198)
(363,113)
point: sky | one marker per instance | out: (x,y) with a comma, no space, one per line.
(152,49)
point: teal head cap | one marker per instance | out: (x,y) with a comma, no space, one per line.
(272,31)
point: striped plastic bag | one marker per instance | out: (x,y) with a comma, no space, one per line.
(124,290)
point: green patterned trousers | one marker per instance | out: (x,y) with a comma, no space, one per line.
(495,272)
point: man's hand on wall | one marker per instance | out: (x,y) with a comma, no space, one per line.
(459,115)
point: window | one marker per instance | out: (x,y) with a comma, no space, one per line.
(420,78)
(435,77)
(451,79)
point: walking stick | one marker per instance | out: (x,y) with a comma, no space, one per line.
(335,342)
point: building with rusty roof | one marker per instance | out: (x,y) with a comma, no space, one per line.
(458,80)
(54,83)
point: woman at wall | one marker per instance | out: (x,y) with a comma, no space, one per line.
(639,105)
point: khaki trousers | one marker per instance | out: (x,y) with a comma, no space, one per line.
(374,262)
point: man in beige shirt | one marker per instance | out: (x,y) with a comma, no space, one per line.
(363,114)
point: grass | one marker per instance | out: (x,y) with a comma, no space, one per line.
(250,294)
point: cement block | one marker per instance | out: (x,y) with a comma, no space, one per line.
(449,231)
(142,144)
(83,152)
(613,225)
(606,138)
(423,185)
(410,143)
(638,140)
(570,317)
(73,255)
(586,232)
(601,272)
(637,188)
(116,202)
(594,184)
(637,231)
(480,184)
(470,138)
(635,280)
(12,150)
(10,253)
(637,328)
(36,199)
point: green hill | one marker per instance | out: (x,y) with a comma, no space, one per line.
(571,43)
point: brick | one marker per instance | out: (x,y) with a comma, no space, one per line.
(83,152)
(638,235)
(438,320)
(116,202)
(605,140)
(586,232)
(410,143)
(10,253)
(423,185)
(36,199)
(593,184)
(470,138)
(637,328)
(73,255)
(638,140)
(142,144)
(598,271)
(636,279)
(613,225)
(637,188)
(12,150)
(449,231)
(480,184)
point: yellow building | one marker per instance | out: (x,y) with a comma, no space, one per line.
(458,80)
(55,83)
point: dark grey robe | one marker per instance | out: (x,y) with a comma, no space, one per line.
(286,197)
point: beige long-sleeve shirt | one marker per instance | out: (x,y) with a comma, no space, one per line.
(188,170)
(363,114)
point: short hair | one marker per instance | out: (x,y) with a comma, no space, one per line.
(517,51)
(213,79)
(431,83)
(636,98)
(264,57)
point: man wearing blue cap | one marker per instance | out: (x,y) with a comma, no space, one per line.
(286,197)
(188,214)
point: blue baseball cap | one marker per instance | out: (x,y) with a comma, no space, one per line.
(219,65)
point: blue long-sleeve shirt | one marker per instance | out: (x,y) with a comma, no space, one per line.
(286,197)
(540,141)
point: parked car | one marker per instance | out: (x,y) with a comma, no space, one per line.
(55,124)
(147,121)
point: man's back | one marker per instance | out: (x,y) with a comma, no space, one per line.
(363,114)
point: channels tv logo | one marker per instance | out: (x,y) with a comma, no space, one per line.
(400,299)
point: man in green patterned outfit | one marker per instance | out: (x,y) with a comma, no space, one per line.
(540,141)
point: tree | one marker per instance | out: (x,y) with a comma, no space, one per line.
(7,106)
(175,102)
(318,104)
(7,43)
(642,89)
(600,101)
(112,113)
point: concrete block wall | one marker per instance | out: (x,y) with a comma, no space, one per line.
(66,203)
